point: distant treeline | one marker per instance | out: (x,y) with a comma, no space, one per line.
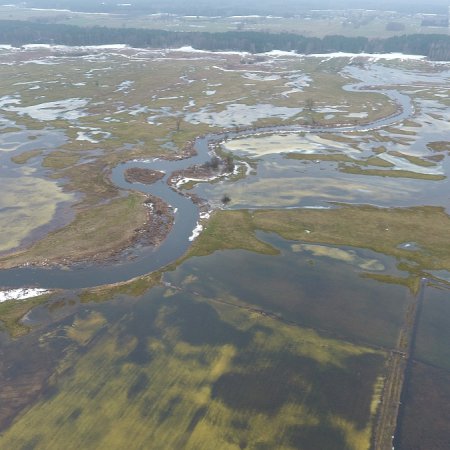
(17,33)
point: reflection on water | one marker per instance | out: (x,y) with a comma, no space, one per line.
(236,349)
(29,201)
(215,351)
(433,333)
(281,182)
(427,384)
(308,288)
(301,185)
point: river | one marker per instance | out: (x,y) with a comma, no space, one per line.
(186,212)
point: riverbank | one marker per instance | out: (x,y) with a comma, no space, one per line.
(133,221)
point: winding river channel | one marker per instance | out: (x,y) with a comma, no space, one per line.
(186,212)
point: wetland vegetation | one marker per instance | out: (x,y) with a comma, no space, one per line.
(287,322)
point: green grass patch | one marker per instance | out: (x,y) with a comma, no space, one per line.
(414,159)
(356,170)
(60,160)
(24,157)
(135,288)
(339,157)
(376,161)
(12,311)
(412,282)
(439,146)
(229,230)
(94,233)
(436,158)
(411,123)
(396,130)
(379,229)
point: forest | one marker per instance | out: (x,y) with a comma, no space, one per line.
(18,33)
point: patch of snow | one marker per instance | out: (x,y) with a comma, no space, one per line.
(248,168)
(184,180)
(240,115)
(190,49)
(196,232)
(281,53)
(9,100)
(42,62)
(138,110)
(360,115)
(21,294)
(256,77)
(74,48)
(68,109)
(371,56)
(124,86)
(82,136)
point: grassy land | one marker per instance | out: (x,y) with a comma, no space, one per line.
(379,229)
(135,288)
(342,158)
(158,85)
(351,23)
(412,282)
(356,170)
(337,157)
(12,311)
(414,159)
(24,157)
(95,233)
(439,146)
(229,230)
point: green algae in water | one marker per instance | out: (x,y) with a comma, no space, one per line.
(311,290)
(163,370)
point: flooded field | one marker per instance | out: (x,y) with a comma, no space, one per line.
(302,292)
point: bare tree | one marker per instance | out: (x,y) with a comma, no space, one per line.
(309,104)
(178,121)
(229,163)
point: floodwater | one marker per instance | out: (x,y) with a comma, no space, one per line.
(301,186)
(234,349)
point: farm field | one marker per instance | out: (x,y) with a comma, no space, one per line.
(351,23)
